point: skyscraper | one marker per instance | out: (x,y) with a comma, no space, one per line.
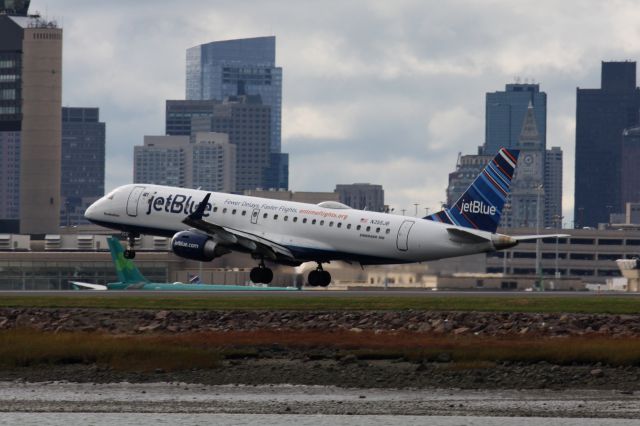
(83,160)
(30,118)
(9,177)
(362,196)
(220,69)
(505,113)
(211,163)
(277,175)
(179,113)
(246,120)
(517,118)
(629,169)
(553,187)
(527,195)
(208,162)
(161,160)
(601,117)
(468,167)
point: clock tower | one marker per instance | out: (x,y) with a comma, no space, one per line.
(527,187)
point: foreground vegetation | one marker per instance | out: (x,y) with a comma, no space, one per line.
(587,303)
(28,348)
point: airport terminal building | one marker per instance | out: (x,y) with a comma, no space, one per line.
(586,256)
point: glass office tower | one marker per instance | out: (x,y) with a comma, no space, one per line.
(83,162)
(220,69)
(602,115)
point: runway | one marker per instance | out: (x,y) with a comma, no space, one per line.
(311,293)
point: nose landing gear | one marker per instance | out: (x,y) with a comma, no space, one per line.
(319,277)
(130,251)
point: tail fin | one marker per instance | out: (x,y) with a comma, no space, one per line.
(125,268)
(480,207)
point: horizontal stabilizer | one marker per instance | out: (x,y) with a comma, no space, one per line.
(462,236)
(89,285)
(538,237)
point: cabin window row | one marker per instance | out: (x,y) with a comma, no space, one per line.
(294,219)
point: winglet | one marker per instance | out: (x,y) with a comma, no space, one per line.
(197,215)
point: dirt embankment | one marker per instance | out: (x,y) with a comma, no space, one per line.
(323,365)
(454,323)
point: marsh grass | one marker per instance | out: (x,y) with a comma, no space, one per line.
(25,347)
(414,347)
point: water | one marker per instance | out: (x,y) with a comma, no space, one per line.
(128,419)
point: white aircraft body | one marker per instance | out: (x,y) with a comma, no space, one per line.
(204,225)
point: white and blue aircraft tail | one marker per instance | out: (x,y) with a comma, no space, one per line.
(205,225)
(480,207)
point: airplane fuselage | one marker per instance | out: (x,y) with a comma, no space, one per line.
(311,232)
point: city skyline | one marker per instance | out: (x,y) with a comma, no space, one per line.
(389,98)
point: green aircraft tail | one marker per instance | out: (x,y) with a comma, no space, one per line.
(127,271)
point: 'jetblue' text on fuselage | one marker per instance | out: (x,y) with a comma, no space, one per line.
(179,204)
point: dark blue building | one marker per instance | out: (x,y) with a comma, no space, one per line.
(83,162)
(179,113)
(601,117)
(505,113)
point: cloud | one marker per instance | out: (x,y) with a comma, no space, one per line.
(387,92)
(313,121)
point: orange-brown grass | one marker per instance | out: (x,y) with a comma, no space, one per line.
(205,350)
(23,348)
(418,347)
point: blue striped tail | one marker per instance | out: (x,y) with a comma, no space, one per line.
(480,207)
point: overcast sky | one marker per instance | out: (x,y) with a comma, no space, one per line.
(386,92)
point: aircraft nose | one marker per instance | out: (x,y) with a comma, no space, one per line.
(90,213)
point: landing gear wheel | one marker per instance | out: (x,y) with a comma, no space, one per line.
(267,275)
(129,254)
(319,277)
(314,278)
(261,275)
(325,278)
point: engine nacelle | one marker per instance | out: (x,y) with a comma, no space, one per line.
(196,246)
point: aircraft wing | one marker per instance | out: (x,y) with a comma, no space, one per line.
(246,240)
(89,285)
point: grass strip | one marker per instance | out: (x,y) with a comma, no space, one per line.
(25,348)
(530,303)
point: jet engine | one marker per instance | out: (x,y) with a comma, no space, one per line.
(196,246)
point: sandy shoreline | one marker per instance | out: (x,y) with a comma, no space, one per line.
(179,397)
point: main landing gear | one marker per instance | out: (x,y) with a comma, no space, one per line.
(261,274)
(130,251)
(319,277)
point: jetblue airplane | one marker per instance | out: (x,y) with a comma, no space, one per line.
(205,225)
(132,279)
